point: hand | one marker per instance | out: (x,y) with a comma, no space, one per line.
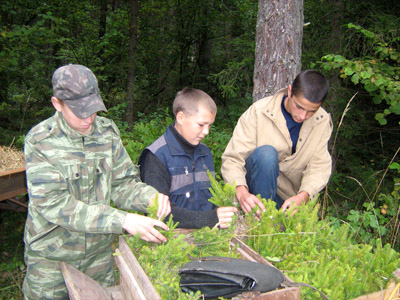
(138,224)
(164,206)
(295,201)
(225,215)
(248,201)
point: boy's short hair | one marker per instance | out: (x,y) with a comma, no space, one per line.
(312,85)
(188,101)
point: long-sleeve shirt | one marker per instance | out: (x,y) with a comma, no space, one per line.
(71,181)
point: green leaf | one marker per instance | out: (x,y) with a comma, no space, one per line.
(395,166)
(339,58)
(273,259)
(395,108)
(377,99)
(348,71)
(365,74)
(355,78)
(327,57)
(380,117)
(370,87)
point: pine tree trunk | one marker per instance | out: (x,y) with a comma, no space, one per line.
(278,45)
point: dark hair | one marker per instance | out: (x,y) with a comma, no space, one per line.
(188,101)
(312,85)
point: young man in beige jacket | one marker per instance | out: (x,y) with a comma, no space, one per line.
(279,148)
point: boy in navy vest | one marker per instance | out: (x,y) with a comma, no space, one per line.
(176,163)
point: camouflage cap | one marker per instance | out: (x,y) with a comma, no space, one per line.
(77,86)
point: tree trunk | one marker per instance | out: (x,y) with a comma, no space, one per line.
(102,29)
(133,24)
(278,45)
(103,18)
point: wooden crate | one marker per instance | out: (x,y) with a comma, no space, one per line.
(135,284)
(82,287)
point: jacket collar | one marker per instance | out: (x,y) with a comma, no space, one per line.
(67,130)
(273,110)
(176,149)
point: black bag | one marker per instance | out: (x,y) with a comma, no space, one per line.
(227,277)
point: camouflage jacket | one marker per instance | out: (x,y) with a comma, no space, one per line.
(71,179)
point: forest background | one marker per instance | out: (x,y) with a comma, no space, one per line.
(143,52)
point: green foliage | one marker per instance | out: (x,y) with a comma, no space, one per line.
(390,208)
(152,213)
(378,72)
(306,248)
(368,223)
(145,131)
(210,45)
(373,215)
(217,139)
(326,257)
(230,81)
(223,194)
(162,262)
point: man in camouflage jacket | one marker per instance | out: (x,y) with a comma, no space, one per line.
(76,164)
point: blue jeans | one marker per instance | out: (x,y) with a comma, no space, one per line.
(262,173)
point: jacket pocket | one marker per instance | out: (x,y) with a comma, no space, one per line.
(101,182)
(73,174)
(59,244)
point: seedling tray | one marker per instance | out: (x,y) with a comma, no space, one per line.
(135,284)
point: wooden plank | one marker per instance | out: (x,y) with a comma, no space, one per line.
(12,171)
(381,294)
(140,276)
(391,292)
(287,293)
(18,202)
(130,288)
(115,292)
(12,183)
(81,286)
(14,205)
(12,192)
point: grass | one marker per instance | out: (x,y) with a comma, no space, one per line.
(12,268)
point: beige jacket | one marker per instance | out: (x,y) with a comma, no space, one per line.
(308,169)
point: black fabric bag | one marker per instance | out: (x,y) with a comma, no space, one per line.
(227,277)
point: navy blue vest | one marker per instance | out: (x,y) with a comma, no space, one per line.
(189,181)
